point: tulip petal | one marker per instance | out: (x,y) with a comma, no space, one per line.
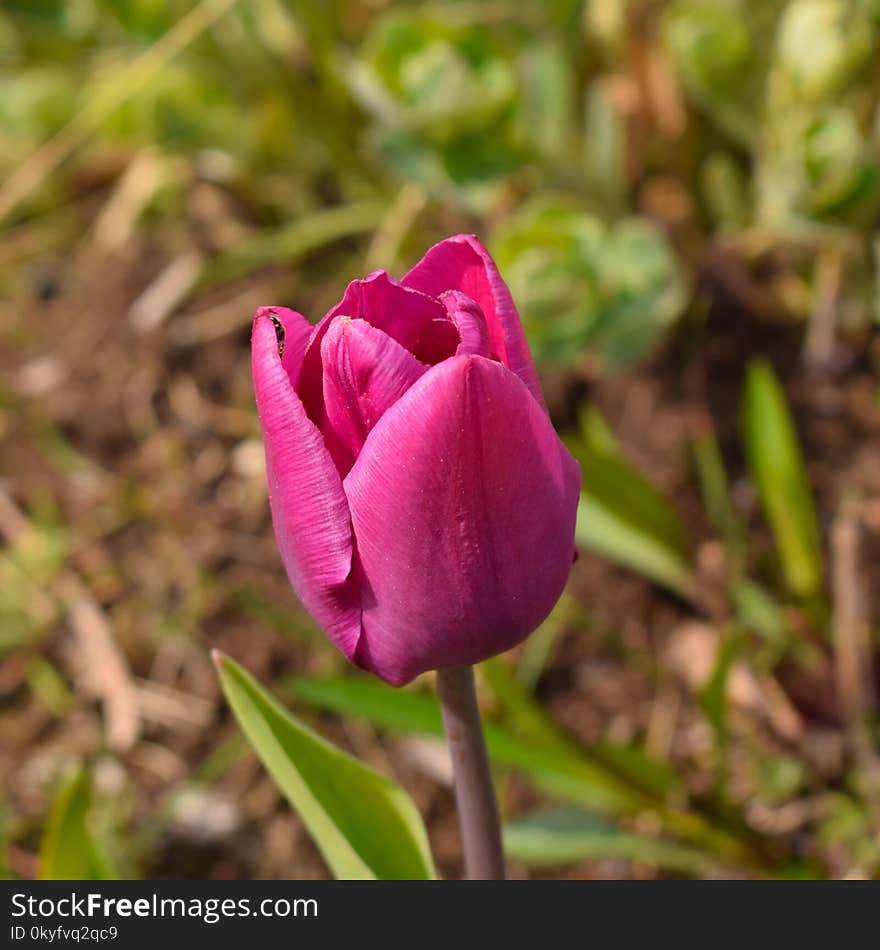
(419,323)
(309,509)
(401,312)
(470,322)
(365,372)
(292,339)
(462,263)
(463,504)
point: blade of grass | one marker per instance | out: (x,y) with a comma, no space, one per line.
(777,465)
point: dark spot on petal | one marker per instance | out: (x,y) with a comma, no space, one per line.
(279,333)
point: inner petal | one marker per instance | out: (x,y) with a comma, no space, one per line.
(401,312)
(418,322)
(470,323)
(437,341)
(365,372)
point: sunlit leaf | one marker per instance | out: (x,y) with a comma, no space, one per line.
(363,824)
(569,776)
(426,72)
(617,779)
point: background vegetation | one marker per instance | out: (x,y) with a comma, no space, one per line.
(684,198)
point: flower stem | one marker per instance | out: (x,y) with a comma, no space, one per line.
(474,794)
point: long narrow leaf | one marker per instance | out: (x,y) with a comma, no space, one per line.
(364,825)
(576,779)
(559,837)
(777,466)
(624,517)
(69,850)
(558,772)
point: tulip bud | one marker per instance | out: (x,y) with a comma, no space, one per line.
(423,504)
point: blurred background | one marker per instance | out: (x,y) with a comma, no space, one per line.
(684,198)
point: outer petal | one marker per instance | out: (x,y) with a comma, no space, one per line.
(365,373)
(293,338)
(463,503)
(309,509)
(462,263)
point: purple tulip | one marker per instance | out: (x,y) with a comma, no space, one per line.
(423,504)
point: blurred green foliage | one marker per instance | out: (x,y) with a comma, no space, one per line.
(795,86)
(582,284)
(488,109)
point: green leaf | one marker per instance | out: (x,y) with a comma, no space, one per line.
(625,518)
(69,850)
(823,46)
(364,825)
(526,717)
(558,837)
(568,775)
(401,710)
(757,611)
(604,143)
(578,779)
(634,763)
(545,102)
(537,650)
(713,696)
(715,490)
(777,467)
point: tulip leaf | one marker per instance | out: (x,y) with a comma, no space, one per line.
(566,774)
(559,767)
(364,825)
(564,836)
(69,850)
(538,649)
(527,718)
(626,785)
(625,518)
(401,710)
(777,467)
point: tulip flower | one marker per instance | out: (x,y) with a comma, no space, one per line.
(423,504)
